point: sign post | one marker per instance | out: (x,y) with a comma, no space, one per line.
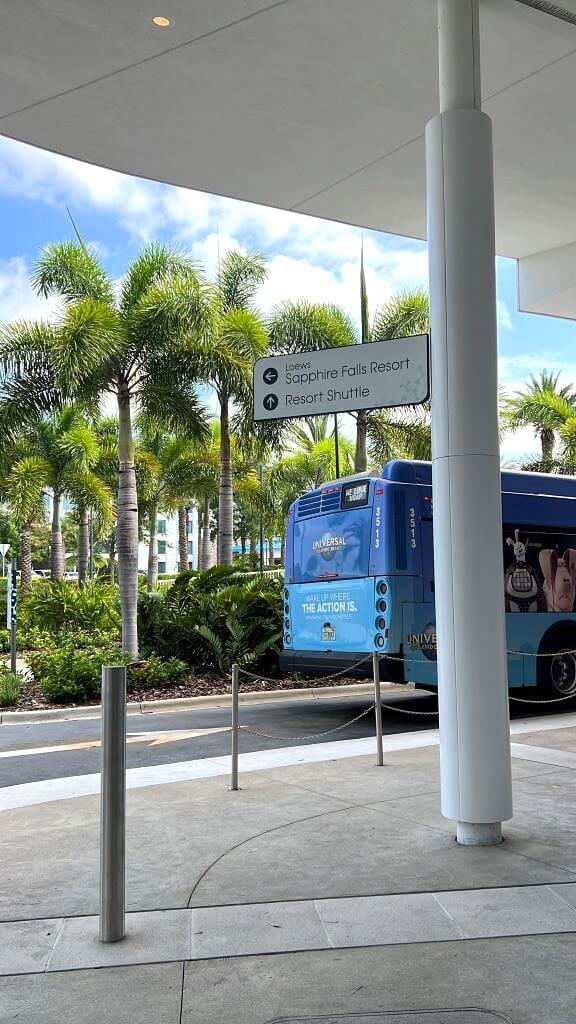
(11,613)
(376,375)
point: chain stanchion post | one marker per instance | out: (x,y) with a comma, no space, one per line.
(377,709)
(235,729)
(113,805)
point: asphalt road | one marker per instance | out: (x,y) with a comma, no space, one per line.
(30,752)
(33,752)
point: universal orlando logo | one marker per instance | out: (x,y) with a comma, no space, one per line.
(328,545)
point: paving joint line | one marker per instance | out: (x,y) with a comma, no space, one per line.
(259,835)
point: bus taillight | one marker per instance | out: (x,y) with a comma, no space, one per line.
(381,606)
(381,623)
(379,640)
(382,587)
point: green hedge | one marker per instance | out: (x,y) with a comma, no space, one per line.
(215,618)
(54,605)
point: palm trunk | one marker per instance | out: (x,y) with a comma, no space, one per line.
(153,545)
(127,528)
(226,494)
(270,550)
(25,557)
(205,551)
(183,537)
(243,549)
(360,459)
(547,440)
(83,547)
(56,547)
(282,548)
(112,557)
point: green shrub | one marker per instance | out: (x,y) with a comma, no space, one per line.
(68,674)
(4,639)
(55,605)
(154,672)
(30,638)
(215,618)
(10,686)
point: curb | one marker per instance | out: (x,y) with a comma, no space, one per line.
(217,700)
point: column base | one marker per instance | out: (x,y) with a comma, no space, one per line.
(483,834)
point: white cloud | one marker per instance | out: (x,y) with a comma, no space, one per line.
(17,298)
(147,209)
(515,371)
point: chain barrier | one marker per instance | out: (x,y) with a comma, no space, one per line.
(335,675)
(542,654)
(308,736)
(552,700)
(407,711)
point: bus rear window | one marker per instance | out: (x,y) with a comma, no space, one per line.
(354,495)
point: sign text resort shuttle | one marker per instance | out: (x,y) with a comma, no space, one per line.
(373,376)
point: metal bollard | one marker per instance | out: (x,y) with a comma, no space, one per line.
(377,709)
(235,730)
(113,805)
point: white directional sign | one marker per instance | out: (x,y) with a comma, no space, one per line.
(374,376)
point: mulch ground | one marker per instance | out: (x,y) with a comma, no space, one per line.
(32,699)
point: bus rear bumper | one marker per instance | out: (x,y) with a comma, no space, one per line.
(326,663)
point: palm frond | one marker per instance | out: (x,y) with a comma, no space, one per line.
(406,313)
(239,277)
(155,262)
(72,271)
(86,346)
(304,326)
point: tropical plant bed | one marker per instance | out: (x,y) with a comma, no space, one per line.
(202,685)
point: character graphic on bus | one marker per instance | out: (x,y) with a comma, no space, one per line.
(559,579)
(522,586)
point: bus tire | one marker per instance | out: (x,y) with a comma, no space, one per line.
(556,675)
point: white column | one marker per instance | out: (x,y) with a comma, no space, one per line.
(469,590)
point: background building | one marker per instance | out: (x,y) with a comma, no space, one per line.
(168,544)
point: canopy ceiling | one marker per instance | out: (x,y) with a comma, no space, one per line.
(317,106)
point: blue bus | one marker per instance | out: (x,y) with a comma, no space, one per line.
(360,577)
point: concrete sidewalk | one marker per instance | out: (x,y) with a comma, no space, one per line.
(332,890)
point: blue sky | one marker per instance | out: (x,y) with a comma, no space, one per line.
(308,258)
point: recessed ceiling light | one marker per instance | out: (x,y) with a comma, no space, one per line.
(161,22)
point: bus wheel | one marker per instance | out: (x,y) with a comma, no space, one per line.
(557,669)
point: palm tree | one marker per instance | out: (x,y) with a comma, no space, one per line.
(307,468)
(304,435)
(127,341)
(225,359)
(301,326)
(406,313)
(57,454)
(22,488)
(400,434)
(173,464)
(304,326)
(545,407)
